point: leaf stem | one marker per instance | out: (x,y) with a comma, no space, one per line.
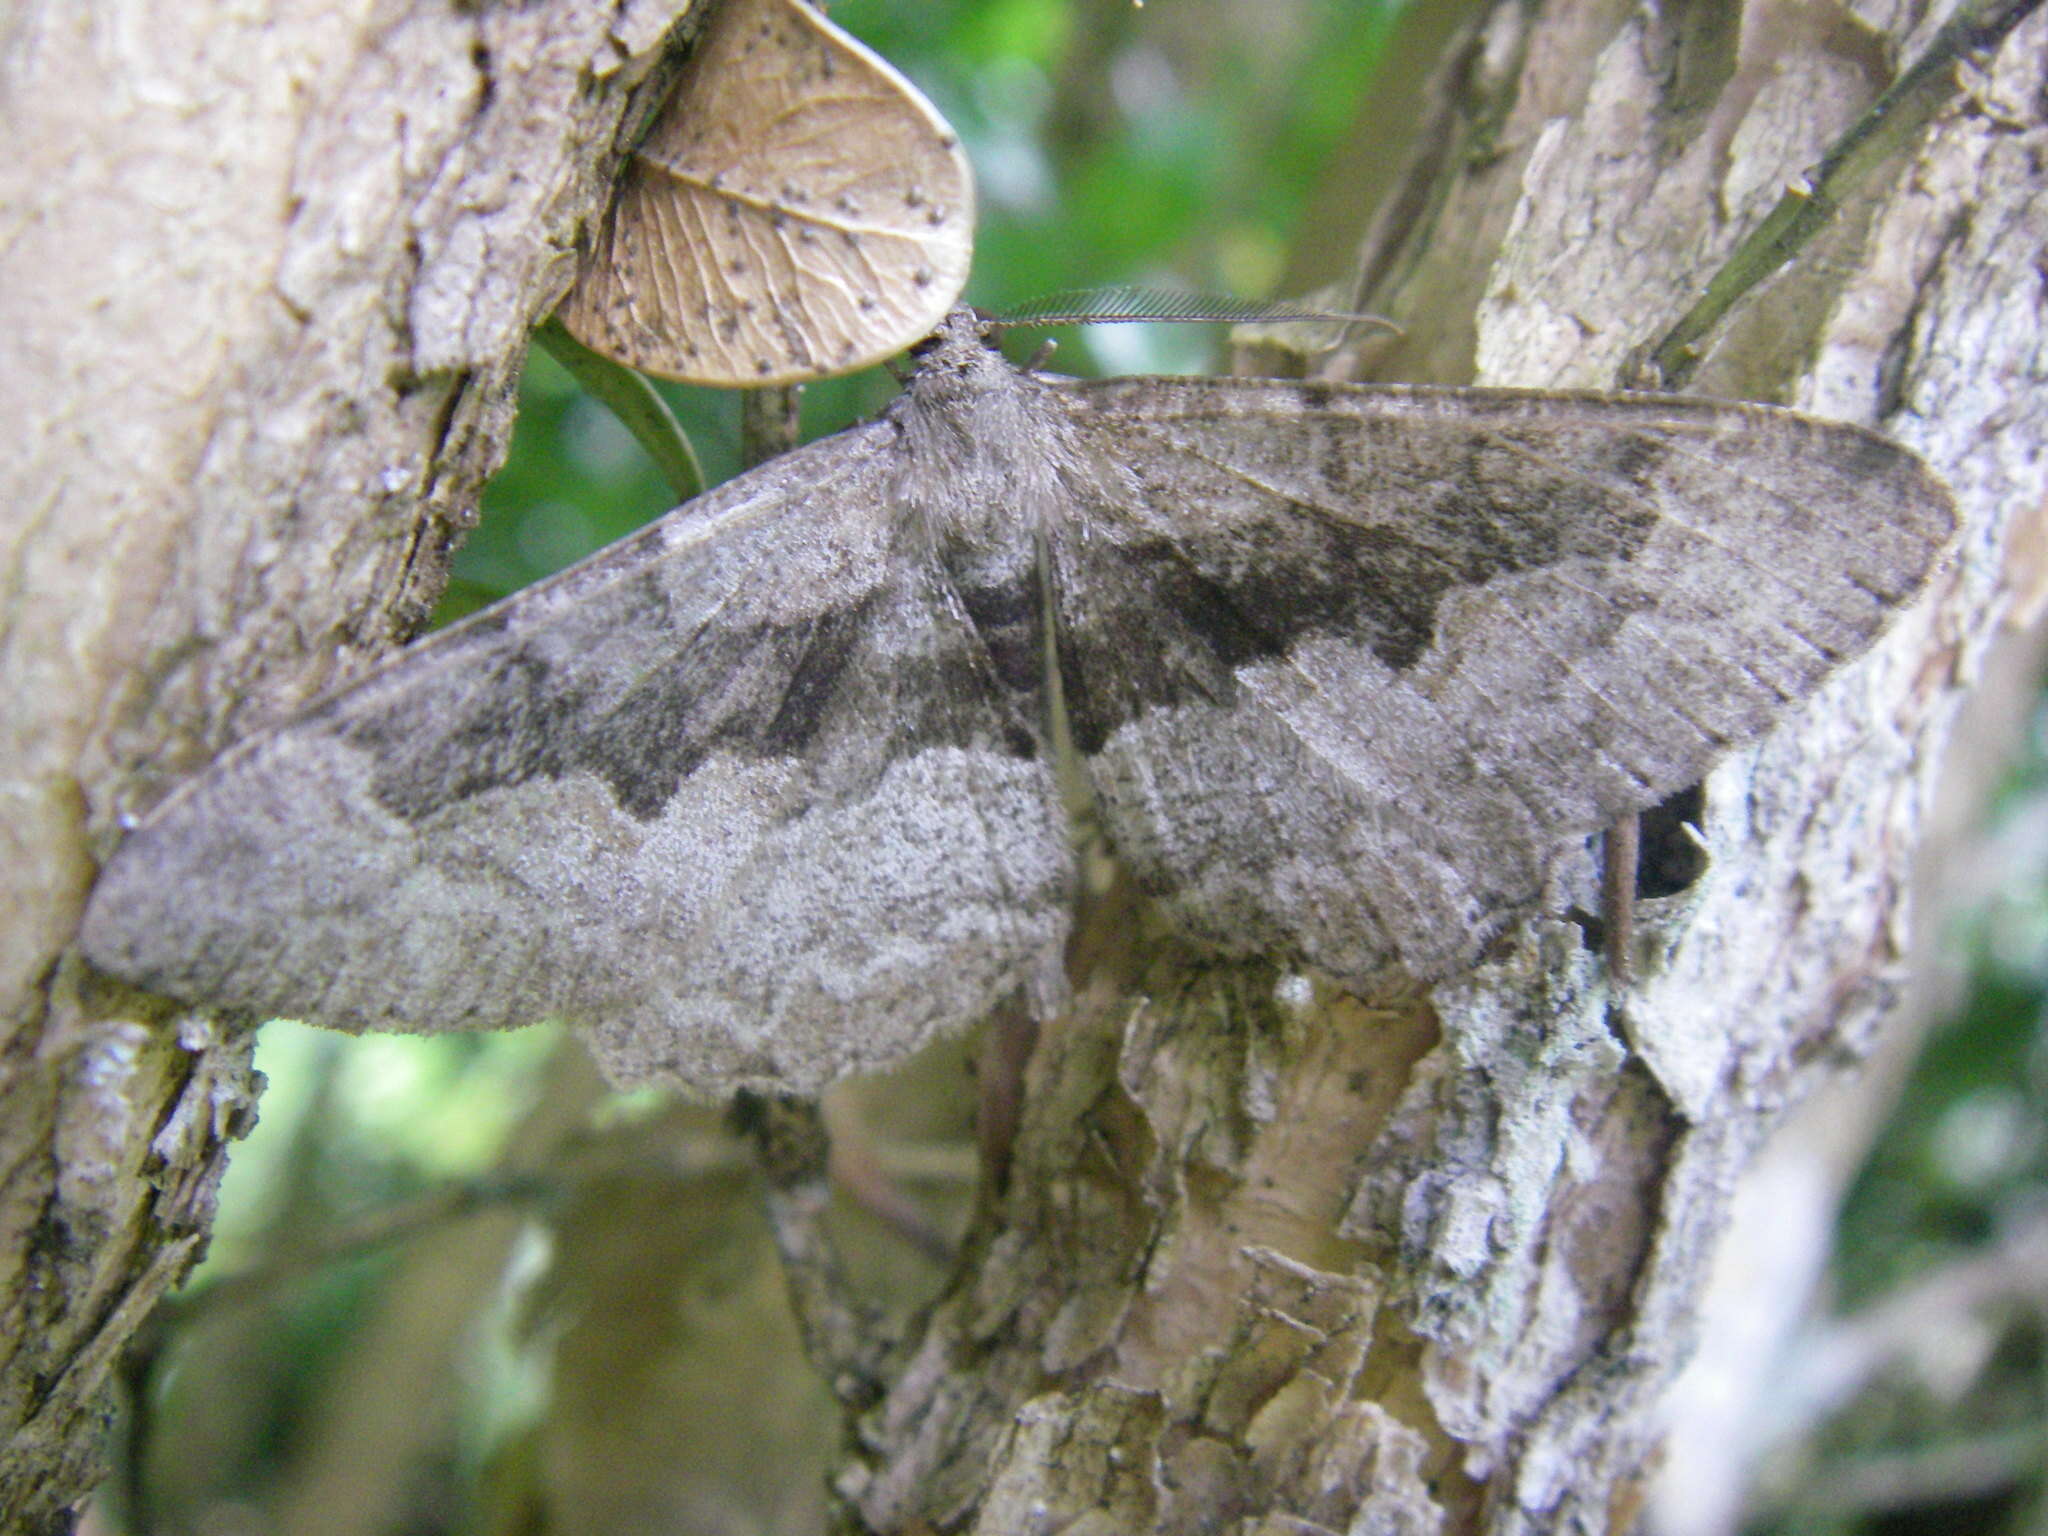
(634,400)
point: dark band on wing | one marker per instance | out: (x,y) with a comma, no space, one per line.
(1149,621)
(821,689)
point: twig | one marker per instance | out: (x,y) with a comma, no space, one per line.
(841,1334)
(1903,110)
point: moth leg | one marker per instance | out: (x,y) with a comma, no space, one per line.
(1620,852)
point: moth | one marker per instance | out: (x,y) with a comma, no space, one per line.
(766,794)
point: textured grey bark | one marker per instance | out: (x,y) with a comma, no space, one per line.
(1276,1259)
(265,291)
(1270,1259)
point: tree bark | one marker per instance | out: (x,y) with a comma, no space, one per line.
(265,291)
(1269,1258)
(1272,1258)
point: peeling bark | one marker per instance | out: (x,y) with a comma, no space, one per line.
(265,290)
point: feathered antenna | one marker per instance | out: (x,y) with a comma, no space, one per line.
(1103,306)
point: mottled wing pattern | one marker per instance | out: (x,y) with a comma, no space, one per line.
(745,794)
(1347,664)
(799,209)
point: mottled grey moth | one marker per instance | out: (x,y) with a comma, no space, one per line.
(765,793)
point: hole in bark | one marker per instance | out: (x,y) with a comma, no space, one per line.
(1670,859)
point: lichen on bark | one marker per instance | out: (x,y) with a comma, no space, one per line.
(1268,1258)
(1276,1258)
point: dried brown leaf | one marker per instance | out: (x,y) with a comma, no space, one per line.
(798,210)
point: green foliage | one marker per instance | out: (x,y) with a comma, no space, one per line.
(1954,1186)
(1968,1152)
